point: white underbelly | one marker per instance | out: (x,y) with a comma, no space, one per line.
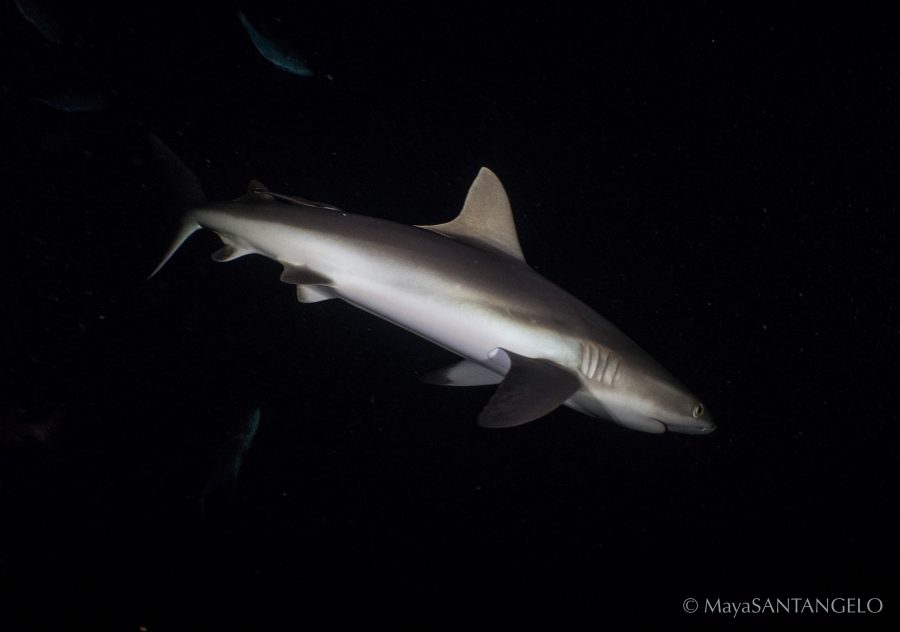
(467,328)
(442,310)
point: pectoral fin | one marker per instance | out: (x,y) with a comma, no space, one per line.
(462,373)
(531,389)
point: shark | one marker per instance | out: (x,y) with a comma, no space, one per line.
(463,285)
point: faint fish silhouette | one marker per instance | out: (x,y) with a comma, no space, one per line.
(43,17)
(71,102)
(280,53)
(18,429)
(229,457)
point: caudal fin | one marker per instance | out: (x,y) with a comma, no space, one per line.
(187,189)
(188,228)
(178,175)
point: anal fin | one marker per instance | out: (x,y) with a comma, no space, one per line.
(313,293)
(311,286)
(301,275)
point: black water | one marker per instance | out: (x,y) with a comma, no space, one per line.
(720,183)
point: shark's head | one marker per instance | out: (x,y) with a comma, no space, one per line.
(636,393)
(669,403)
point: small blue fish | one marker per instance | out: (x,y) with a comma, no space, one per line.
(278,52)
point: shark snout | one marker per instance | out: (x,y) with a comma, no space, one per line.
(696,427)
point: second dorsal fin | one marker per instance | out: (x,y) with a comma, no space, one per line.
(486,219)
(256,192)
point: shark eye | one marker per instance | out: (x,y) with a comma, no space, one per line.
(698,411)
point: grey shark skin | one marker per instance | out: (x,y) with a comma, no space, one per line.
(465,286)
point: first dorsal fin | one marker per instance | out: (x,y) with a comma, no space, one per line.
(486,219)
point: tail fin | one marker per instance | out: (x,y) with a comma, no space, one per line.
(179,176)
(187,190)
(188,228)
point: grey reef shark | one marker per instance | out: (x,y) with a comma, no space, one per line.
(463,285)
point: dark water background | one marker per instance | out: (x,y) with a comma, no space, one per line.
(720,183)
